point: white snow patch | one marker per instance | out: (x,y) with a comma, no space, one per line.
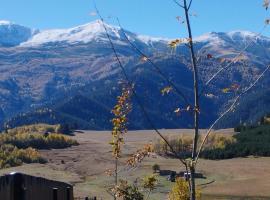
(84,33)
(148,39)
(5,22)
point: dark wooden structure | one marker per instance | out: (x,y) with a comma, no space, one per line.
(18,186)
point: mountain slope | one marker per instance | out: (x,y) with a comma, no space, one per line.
(13,34)
(71,76)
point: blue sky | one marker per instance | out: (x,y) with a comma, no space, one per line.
(149,17)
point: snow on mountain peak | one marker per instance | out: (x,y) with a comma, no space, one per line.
(242,33)
(84,33)
(5,22)
(222,39)
(13,34)
(211,37)
(148,39)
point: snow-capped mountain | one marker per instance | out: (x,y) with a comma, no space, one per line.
(13,34)
(51,67)
(236,36)
(86,33)
(93,31)
(16,35)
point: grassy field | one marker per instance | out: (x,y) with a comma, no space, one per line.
(84,166)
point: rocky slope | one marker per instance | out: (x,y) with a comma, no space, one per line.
(71,75)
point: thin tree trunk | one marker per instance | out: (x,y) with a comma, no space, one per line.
(196,105)
(116,175)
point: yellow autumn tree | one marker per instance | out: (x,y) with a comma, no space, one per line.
(181,191)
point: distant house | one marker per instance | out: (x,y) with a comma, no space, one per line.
(18,186)
(186,175)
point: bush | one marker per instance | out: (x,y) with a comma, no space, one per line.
(19,145)
(180,191)
(39,137)
(64,129)
(183,144)
(128,192)
(155,168)
(11,156)
(250,141)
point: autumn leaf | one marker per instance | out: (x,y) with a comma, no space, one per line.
(222,60)
(109,172)
(175,43)
(266,4)
(188,108)
(197,110)
(180,19)
(267,21)
(144,58)
(166,90)
(226,90)
(177,111)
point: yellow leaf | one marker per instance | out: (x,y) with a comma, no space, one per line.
(226,90)
(144,58)
(177,110)
(266,4)
(166,90)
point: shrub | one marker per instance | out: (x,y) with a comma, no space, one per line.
(180,191)
(155,168)
(11,156)
(150,182)
(183,145)
(250,141)
(128,192)
(64,129)
(38,141)
(19,145)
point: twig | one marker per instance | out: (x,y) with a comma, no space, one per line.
(229,110)
(177,3)
(189,5)
(133,91)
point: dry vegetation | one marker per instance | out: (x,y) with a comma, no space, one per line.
(84,166)
(19,145)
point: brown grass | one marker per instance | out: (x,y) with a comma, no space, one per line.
(84,166)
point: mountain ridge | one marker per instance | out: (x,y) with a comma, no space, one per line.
(90,31)
(66,71)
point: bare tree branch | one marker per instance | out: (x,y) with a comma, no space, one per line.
(228,111)
(154,65)
(134,92)
(177,3)
(189,5)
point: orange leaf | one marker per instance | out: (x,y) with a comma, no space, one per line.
(166,90)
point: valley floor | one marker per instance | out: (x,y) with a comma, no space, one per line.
(84,166)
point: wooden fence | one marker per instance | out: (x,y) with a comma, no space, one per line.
(17,186)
